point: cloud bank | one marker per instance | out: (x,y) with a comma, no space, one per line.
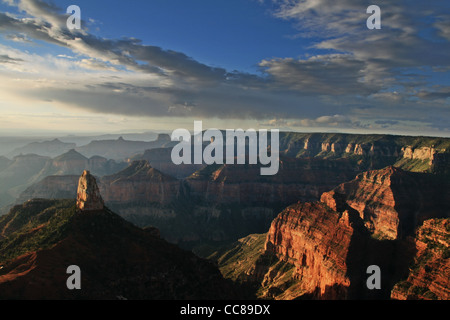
(353,78)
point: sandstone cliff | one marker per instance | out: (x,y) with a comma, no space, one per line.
(316,241)
(392,202)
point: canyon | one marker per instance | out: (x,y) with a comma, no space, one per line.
(338,204)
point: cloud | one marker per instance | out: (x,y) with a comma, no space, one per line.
(7,59)
(49,25)
(441,93)
(18,37)
(354,77)
(401,43)
(443,26)
(333,74)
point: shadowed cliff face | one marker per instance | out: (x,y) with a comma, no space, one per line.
(297,179)
(429,275)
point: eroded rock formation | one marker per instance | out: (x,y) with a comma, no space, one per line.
(88,194)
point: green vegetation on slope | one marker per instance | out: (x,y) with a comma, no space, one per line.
(37,224)
(247,263)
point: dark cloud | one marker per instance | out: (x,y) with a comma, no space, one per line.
(335,74)
(444,93)
(7,59)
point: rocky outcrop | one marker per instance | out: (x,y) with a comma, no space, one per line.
(422,153)
(88,194)
(316,240)
(429,275)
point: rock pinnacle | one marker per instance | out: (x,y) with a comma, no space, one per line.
(88,194)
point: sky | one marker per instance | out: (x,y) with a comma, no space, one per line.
(298,65)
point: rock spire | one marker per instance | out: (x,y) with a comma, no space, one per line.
(88,194)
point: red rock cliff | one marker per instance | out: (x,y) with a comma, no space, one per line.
(316,240)
(361,223)
(390,201)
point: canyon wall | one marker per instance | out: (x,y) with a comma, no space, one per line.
(411,153)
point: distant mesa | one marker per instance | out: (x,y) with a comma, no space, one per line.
(88,194)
